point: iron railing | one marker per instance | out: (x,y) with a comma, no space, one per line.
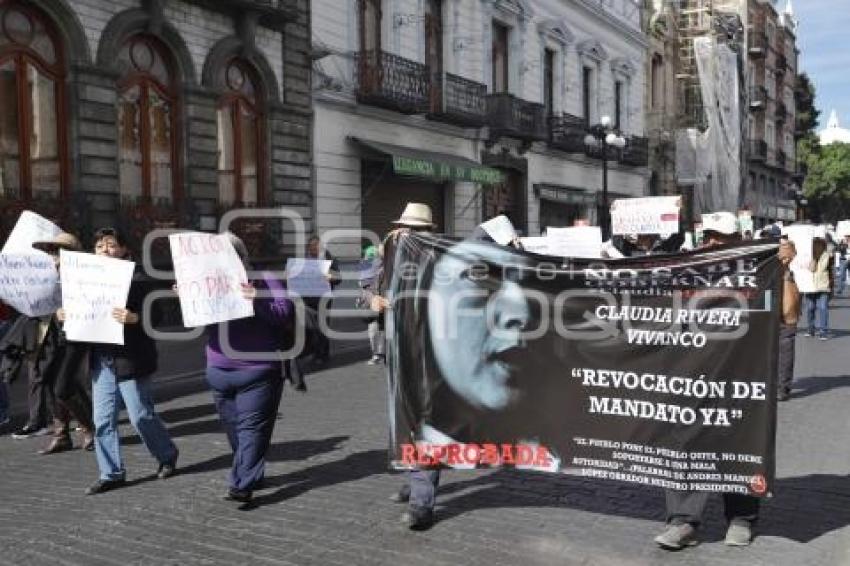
(781,111)
(390,81)
(511,116)
(567,133)
(459,101)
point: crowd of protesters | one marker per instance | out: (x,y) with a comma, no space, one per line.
(91,383)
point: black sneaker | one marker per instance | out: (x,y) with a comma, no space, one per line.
(419,518)
(29,431)
(102,486)
(239,495)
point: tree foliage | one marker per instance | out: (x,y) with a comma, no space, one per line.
(827,181)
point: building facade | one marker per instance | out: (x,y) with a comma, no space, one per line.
(765,42)
(476,107)
(155,113)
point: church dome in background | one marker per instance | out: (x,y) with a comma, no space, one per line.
(834,133)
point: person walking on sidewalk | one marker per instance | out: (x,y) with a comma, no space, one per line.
(247,387)
(816,303)
(122,373)
(788,333)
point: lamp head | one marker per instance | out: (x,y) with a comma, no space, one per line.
(605,121)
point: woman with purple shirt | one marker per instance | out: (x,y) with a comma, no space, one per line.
(245,375)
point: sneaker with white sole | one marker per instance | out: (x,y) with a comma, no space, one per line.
(677,537)
(29,431)
(738,535)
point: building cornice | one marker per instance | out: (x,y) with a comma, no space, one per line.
(603,16)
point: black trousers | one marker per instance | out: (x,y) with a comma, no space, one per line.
(787,337)
(689,507)
(39,393)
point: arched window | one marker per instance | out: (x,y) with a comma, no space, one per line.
(147,121)
(32,123)
(240,136)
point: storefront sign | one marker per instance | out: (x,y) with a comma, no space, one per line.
(430,169)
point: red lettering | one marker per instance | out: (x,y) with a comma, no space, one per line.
(439,452)
(423,458)
(508,454)
(454,454)
(408,454)
(542,458)
(491,455)
(471,453)
(525,455)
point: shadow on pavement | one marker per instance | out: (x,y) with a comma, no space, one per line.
(278,452)
(351,468)
(809,386)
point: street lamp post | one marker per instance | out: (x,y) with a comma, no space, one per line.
(601,136)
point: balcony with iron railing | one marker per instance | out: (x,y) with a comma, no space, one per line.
(459,101)
(757,44)
(393,82)
(780,159)
(758,97)
(758,150)
(567,133)
(514,117)
(636,151)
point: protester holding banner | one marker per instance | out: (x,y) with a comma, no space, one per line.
(244,371)
(788,333)
(685,509)
(816,302)
(56,374)
(121,373)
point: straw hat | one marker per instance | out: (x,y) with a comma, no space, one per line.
(415,215)
(720,222)
(63,240)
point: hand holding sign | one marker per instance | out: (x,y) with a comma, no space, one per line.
(30,228)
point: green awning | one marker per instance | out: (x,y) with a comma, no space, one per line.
(432,165)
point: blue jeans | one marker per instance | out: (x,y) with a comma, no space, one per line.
(817,312)
(247,401)
(841,276)
(107,394)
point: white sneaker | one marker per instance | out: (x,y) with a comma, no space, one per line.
(738,535)
(677,537)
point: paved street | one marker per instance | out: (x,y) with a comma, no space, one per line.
(326,499)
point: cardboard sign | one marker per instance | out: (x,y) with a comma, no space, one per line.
(576,241)
(650,215)
(500,229)
(29,283)
(30,228)
(308,277)
(209,276)
(92,286)
(802,235)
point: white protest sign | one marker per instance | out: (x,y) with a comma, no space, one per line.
(576,241)
(308,277)
(745,221)
(209,276)
(500,229)
(649,215)
(92,286)
(802,235)
(842,229)
(536,244)
(29,283)
(30,228)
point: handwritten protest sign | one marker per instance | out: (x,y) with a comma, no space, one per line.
(649,215)
(29,283)
(576,241)
(802,235)
(500,229)
(308,277)
(92,286)
(30,228)
(209,274)
(842,229)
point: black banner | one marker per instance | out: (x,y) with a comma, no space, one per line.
(655,370)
